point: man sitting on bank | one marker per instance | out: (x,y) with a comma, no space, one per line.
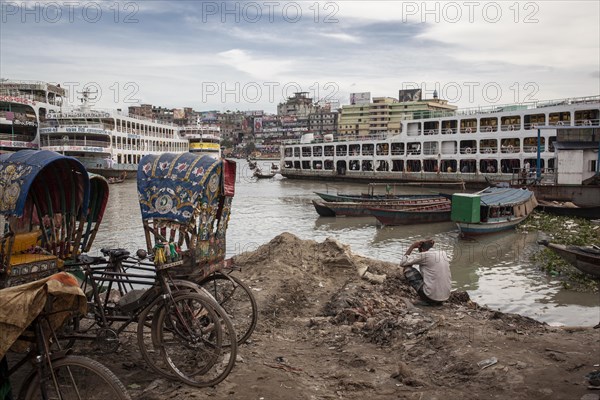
(434,282)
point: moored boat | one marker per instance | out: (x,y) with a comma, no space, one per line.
(363,208)
(491,210)
(569,209)
(322,209)
(369,197)
(259,174)
(413,215)
(586,259)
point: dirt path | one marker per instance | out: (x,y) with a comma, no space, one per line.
(326,333)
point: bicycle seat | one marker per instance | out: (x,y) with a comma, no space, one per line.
(115,253)
(85,259)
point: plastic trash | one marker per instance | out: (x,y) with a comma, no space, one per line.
(483,364)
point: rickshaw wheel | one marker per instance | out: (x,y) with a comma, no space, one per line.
(190,337)
(237,300)
(147,330)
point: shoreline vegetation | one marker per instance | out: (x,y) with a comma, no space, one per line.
(567,231)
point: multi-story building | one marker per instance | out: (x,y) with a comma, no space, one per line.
(384,115)
(300,106)
(323,121)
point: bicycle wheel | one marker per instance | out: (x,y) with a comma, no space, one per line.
(190,337)
(237,300)
(76,378)
(147,329)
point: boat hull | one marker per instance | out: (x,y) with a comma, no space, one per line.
(484,228)
(367,197)
(580,259)
(581,212)
(363,209)
(426,215)
(322,209)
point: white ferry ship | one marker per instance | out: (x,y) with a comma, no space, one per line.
(462,146)
(23,106)
(107,142)
(204,139)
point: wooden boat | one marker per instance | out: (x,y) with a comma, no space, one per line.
(491,210)
(263,175)
(413,215)
(120,179)
(569,209)
(362,208)
(586,259)
(370,197)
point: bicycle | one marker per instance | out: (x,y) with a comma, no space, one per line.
(184,322)
(57,374)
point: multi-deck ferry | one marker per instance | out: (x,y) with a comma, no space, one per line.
(204,139)
(23,106)
(107,142)
(499,142)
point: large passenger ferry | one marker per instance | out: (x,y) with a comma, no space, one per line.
(107,142)
(23,106)
(467,145)
(204,139)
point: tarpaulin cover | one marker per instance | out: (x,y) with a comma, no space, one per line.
(58,183)
(174,186)
(504,196)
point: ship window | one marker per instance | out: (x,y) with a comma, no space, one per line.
(468,166)
(587,117)
(530,144)
(317,151)
(413,166)
(367,165)
(354,149)
(341,150)
(560,118)
(488,166)
(305,164)
(468,147)
(468,125)
(341,167)
(288,151)
(511,123)
(397,149)
(297,164)
(430,148)
(448,166)
(533,121)
(488,125)
(382,165)
(328,165)
(382,149)
(488,146)
(430,166)
(317,165)
(449,127)
(512,145)
(296,151)
(397,165)
(329,150)
(354,165)
(431,128)
(367,149)
(306,151)
(413,148)
(509,166)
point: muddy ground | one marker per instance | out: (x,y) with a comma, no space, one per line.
(325,332)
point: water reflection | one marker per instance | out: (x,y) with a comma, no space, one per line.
(494,269)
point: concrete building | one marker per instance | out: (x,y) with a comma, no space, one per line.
(300,106)
(383,115)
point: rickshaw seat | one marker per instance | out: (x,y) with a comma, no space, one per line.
(20,259)
(25,241)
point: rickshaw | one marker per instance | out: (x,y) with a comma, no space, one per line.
(185,201)
(43,201)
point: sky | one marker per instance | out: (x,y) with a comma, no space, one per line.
(251,55)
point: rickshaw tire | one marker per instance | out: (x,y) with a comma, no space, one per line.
(218,365)
(243,333)
(101,379)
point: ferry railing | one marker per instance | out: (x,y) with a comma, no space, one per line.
(17,138)
(510,127)
(587,122)
(76,142)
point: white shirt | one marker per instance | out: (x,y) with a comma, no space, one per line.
(435,268)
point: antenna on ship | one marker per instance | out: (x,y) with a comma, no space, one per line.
(85,99)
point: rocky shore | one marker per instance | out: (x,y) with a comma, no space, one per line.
(335,325)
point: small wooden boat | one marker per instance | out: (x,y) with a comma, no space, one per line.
(370,197)
(491,210)
(569,209)
(263,175)
(120,179)
(362,208)
(586,259)
(415,215)
(322,209)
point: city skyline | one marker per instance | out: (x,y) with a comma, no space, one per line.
(253,55)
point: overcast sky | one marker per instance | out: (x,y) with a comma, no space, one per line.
(227,55)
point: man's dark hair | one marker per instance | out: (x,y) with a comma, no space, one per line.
(426,245)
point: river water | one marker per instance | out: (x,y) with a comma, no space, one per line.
(495,270)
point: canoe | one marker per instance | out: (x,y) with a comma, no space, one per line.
(415,215)
(569,209)
(586,259)
(261,175)
(362,209)
(370,197)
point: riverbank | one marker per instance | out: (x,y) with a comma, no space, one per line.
(328,330)
(567,231)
